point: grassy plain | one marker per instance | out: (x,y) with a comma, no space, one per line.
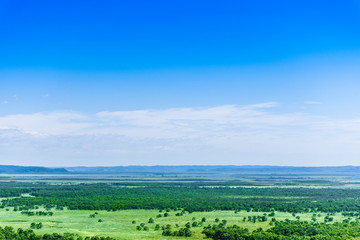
(118,224)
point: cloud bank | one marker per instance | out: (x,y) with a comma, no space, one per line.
(229,134)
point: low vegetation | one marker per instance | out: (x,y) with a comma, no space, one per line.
(164,209)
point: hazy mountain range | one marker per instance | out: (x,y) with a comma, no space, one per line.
(245,169)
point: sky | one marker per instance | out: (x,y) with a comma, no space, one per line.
(110,83)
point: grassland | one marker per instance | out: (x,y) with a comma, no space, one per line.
(122,223)
(119,224)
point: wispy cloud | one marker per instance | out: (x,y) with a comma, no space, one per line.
(152,123)
(55,123)
(4,102)
(312,102)
(253,133)
(173,123)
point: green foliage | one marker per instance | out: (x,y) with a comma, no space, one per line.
(188,199)
(191,198)
(182,232)
(157,227)
(287,230)
(8,233)
(36,225)
(37,213)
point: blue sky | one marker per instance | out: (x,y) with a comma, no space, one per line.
(179,82)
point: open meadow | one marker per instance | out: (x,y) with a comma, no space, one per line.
(179,206)
(119,224)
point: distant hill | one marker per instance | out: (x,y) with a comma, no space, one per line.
(219,169)
(10,169)
(186,169)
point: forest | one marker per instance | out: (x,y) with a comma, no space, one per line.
(192,206)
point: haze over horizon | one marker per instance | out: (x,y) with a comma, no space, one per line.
(179,83)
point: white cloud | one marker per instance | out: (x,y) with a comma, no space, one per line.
(229,134)
(312,102)
(4,102)
(55,123)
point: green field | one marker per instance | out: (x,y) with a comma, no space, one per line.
(119,224)
(126,205)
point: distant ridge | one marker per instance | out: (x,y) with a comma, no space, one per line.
(11,169)
(185,169)
(226,169)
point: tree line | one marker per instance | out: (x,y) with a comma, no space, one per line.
(286,230)
(190,198)
(9,233)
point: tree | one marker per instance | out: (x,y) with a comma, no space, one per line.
(39,225)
